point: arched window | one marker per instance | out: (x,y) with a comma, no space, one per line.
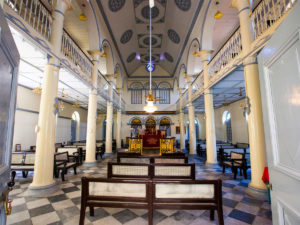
(164,93)
(197,129)
(165,124)
(226,118)
(136,124)
(136,93)
(75,122)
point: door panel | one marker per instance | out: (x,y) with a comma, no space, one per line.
(9,60)
(279,71)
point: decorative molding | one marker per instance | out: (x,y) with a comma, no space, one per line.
(155,113)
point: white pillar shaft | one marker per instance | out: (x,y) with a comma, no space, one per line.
(92,112)
(211,149)
(192,130)
(118,136)
(255,118)
(109,122)
(182,134)
(46,129)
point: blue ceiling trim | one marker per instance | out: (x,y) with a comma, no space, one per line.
(111,34)
(188,35)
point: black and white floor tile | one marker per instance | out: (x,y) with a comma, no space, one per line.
(63,206)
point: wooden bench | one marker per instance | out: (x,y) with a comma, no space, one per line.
(151,171)
(62,163)
(236,161)
(137,158)
(23,161)
(151,194)
(73,153)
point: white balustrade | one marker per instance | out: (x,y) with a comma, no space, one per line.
(267,13)
(34,13)
(71,50)
(227,53)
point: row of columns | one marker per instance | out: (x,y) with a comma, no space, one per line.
(255,119)
(43,182)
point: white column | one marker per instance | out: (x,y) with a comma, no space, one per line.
(92,113)
(181,121)
(192,130)
(109,122)
(43,181)
(255,118)
(211,149)
(119,123)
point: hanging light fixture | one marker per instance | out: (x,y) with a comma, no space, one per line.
(150,107)
(218,14)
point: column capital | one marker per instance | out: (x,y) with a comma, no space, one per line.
(95,54)
(240,5)
(205,54)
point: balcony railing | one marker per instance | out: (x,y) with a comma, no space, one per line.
(267,13)
(70,49)
(34,13)
(227,53)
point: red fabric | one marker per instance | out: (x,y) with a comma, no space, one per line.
(152,141)
(265,176)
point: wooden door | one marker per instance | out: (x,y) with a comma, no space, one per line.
(279,71)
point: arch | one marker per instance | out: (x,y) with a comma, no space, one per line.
(110,62)
(197,128)
(94,36)
(147,85)
(150,123)
(164,85)
(181,79)
(226,119)
(135,118)
(208,24)
(75,126)
(193,63)
(136,85)
(165,124)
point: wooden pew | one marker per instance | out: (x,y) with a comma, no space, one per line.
(126,157)
(23,161)
(236,161)
(62,163)
(151,171)
(151,194)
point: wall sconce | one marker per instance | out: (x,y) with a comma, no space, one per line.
(218,14)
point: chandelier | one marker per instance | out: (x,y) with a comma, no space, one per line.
(150,107)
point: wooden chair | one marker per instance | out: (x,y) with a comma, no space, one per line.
(235,161)
(62,163)
(23,162)
(166,145)
(135,145)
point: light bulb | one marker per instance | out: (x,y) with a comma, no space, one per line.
(151,3)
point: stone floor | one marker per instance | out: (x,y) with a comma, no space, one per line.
(63,207)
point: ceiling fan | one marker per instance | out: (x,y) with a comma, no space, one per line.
(151,98)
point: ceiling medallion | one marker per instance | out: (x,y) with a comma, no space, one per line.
(173,36)
(116,5)
(184,5)
(145,12)
(126,36)
(150,67)
(147,42)
(131,57)
(168,57)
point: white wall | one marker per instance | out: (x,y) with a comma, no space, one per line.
(26,119)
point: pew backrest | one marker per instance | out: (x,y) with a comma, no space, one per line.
(151,171)
(17,158)
(71,151)
(29,158)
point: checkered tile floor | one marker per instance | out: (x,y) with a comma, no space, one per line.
(63,207)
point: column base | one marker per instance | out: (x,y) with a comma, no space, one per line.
(90,164)
(260,194)
(42,191)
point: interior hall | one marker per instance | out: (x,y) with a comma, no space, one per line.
(137,112)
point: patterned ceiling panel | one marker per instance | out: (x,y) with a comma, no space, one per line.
(116,5)
(144,40)
(126,36)
(184,5)
(142,11)
(128,24)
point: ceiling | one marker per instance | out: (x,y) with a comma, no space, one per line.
(31,72)
(228,90)
(128,24)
